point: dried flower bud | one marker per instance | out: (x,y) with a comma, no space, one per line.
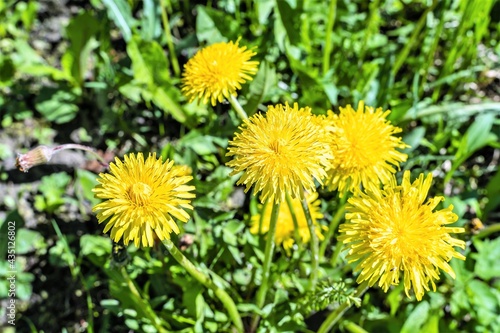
(43,154)
(36,156)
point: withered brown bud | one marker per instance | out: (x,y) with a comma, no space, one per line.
(36,156)
(43,154)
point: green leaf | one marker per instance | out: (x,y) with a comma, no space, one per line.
(52,187)
(7,69)
(493,193)
(87,181)
(484,301)
(200,144)
(417,318)
(149,63)
(120,12)
(488,252)
(262,83)
(151,69)
(28,13)
(80,32)
(477,136)
(56,105)
(98,246)
(414,138)
(45,70)
(394,298)
(150,20)
(166,101)
(214,26)
(289,19)
(59,255)
(28,241)
(431,325)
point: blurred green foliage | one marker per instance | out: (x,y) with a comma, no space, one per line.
(111,79)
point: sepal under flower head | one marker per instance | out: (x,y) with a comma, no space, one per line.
(393,231)
(142,198)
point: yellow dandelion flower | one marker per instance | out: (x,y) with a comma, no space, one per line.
(141,199)
(392,230)
(281,152)
(285,226)
(217,71)
(364,148)
(182,170)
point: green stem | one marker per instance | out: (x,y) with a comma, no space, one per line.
(492,228)
(333,225)
(353,327)
(314,245)
(296,235)
(170,42)
(266,267)
(334,317)
(332,9)
(237,107)
(150,314)
(335,255)
(205,280)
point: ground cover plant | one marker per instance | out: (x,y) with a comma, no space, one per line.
(249,166)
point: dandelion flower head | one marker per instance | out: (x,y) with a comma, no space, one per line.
(142,198)
(285,227)
(364,147)
(395,230)
(217,71)
(280,152)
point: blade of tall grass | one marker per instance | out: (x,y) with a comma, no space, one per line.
(403,55)
(372,28)
(332,11)
(429,63)
(464,45)
(453,110)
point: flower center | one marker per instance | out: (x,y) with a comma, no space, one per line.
(139,193)
(277,146)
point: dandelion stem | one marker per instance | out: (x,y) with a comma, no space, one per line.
(150,314)
(266,267)
(334,317)
(335,255)
(205,280)
(314,245)
(333,225)
(170,43)
(81,147)
(487,231)
(237,107)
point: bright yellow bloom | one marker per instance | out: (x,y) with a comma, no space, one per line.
(285,226)
(217,71)
(281,152)
(364,148)
(142,198)
(392,230)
